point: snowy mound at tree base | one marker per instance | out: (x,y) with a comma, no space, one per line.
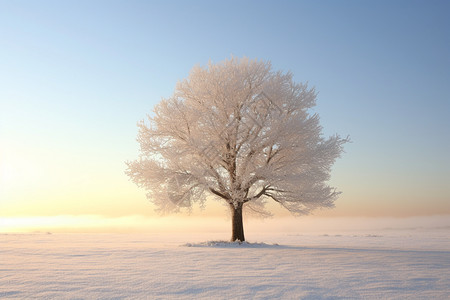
(227,244)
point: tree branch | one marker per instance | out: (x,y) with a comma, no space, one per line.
(219,194)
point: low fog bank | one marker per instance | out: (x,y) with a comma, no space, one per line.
(181,224)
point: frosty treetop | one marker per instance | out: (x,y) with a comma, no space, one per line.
(242,133)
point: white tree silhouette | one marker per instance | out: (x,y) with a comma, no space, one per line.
(241,132)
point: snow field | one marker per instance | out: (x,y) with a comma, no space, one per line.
(126,266)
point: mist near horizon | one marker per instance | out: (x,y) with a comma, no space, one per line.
(217,225)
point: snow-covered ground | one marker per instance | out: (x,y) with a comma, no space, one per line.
(391,264)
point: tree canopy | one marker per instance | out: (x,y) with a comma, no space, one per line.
(242,133)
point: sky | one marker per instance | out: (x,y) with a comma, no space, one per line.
(76,77)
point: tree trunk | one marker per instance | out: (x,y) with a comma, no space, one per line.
(237,225)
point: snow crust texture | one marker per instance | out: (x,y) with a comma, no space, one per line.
(114,266)
(225,244)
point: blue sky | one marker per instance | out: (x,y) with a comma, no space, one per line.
(76,76)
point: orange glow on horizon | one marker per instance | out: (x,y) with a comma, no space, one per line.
(183,224)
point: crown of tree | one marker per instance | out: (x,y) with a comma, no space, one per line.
(241,133)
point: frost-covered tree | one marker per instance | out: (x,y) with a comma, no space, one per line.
(240,133)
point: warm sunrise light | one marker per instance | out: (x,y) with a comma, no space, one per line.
(69,106)
(140,140)
(14,170)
